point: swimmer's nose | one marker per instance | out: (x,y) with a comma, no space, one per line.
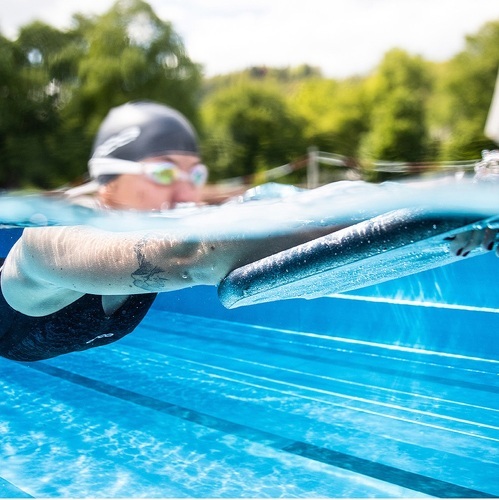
(185,192)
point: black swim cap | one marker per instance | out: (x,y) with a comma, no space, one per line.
(142,129)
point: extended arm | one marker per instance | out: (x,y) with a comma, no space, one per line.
(49,268)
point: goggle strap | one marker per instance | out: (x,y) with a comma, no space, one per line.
(112,166)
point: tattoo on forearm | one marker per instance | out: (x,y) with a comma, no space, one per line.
(147,276)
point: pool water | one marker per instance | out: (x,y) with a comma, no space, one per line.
(387,391)
(390,391)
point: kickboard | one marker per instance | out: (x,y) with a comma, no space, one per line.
(383,248)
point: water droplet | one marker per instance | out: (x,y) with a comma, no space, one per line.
(39,219)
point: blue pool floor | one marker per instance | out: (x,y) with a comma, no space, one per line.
(191,406)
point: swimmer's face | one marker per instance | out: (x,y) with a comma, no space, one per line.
(141,192)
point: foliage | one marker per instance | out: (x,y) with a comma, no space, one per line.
(28,114)
(464,92)
(132,55)
(397,129)
(284,77)
(60,85)
(335,113)
(57,85)
(250,128)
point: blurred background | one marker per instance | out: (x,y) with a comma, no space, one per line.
(301,123)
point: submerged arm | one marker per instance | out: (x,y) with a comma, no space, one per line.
(49,268)
(463,243)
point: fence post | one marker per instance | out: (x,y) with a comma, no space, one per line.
(312,168)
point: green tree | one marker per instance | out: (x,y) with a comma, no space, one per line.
(399,90)
(58,85)
(335,113)
(132,54)
(10,91)
(463,95)
(251,129)
(30,114)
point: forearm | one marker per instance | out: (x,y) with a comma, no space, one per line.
(49,268)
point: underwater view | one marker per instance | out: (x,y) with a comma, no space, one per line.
(366,372)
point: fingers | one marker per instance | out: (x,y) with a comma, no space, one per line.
(489,239)
(463,243)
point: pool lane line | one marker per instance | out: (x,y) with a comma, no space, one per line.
(385,473)
(316,376)
(415,303)
(386,370)
(9,490)
(313,393)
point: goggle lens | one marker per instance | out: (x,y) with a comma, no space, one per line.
(167,173)
(199,174)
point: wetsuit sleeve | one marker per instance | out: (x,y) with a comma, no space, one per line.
(79,326)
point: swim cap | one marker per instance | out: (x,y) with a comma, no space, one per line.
(142,129)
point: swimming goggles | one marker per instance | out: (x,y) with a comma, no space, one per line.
(160,172)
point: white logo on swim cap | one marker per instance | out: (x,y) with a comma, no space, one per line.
(116,141)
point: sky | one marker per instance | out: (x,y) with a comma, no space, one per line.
(342,37)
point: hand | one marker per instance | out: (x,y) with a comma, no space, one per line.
(463,243)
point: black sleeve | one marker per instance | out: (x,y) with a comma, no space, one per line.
(79,326)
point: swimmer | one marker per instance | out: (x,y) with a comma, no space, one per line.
(66,289)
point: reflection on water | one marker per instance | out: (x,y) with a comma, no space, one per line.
(270,207)
(275,208)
